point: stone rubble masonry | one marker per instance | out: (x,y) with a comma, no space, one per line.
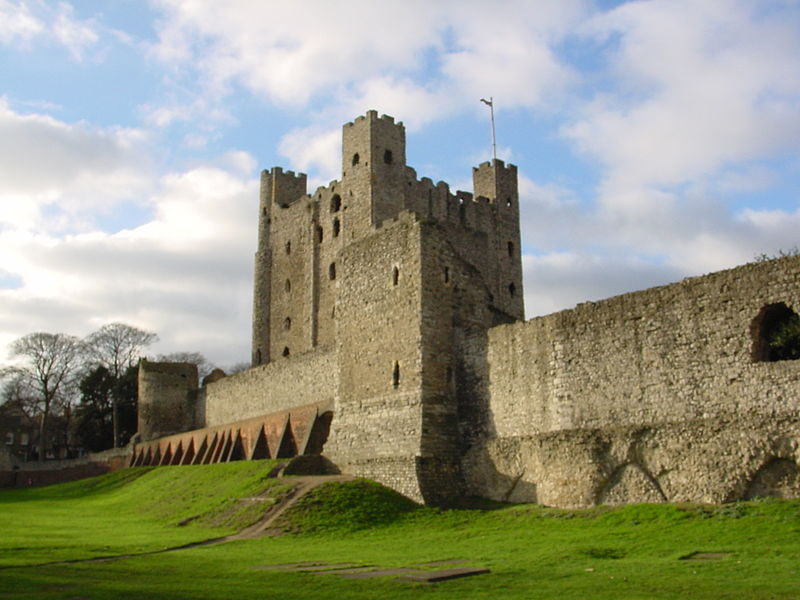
(309,378)
(648,396)
(400,305)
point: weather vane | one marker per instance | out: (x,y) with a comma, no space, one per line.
(490,104)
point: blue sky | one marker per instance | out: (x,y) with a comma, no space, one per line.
(655,140)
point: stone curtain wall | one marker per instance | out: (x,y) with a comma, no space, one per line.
(704,460)
(668,368)
(310,378)
(681,351)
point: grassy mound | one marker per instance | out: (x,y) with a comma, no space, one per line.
(345,506)
(133,510)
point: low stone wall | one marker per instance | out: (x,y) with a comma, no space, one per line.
(309,378)
(34,474)
(706,460)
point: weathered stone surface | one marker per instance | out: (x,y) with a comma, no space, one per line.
(399,304)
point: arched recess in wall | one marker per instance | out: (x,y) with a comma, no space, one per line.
(336,203)
(319,433)
(630,483)
(777,478)
(775,334)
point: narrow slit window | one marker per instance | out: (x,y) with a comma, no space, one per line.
(395,276)
(286,351)
(287,286)
(396,375)
(447,274)
(511,249)
(288,247)
(355,160)
(332,271)
(512,289)
(336,227)
(287,323)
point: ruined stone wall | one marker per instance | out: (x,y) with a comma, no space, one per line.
(310,378)
(663,380)
(703,460)
(676,352)
(167,398)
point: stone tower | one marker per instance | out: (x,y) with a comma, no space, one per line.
(400,278)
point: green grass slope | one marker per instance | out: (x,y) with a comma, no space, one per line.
(632,552)
(131,511)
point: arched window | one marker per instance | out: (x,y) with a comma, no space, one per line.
(775,333)
(332,271)
(355,159)
(286,351)
(387,157)
(336,203)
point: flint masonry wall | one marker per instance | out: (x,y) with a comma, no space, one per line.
(280,385)
(654,391)
(377,425)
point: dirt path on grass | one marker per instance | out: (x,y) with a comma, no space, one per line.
(263,526)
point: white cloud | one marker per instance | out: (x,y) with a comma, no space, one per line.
(186,274)
(69,169)
(314,148)
(23,23)
(698,86)
(17,24)
(76,35)
(419,60)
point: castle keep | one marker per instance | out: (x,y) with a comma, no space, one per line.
(388,335)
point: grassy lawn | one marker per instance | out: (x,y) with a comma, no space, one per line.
(532,551)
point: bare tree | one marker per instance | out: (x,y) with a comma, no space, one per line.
(118,346)
(50,363)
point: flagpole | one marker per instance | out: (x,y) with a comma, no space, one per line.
(490,104)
